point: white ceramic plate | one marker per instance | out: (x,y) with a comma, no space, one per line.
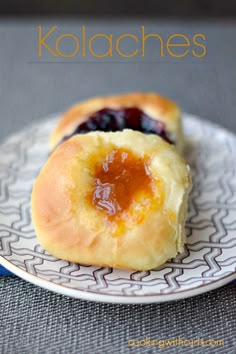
(209,259)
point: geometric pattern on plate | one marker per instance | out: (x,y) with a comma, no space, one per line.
(210,252)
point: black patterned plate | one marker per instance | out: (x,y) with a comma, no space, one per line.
(209,258)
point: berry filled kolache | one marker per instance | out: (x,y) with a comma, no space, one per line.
(116,199)
(148,113)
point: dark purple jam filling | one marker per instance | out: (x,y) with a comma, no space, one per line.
(111,120)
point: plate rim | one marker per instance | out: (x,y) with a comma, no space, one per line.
(106,297)
(118,299)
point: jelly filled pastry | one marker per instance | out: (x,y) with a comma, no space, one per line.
(115,199)
(146,112)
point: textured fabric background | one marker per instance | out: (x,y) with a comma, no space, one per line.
(33,320)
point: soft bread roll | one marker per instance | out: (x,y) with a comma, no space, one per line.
(154,106)
(112,199)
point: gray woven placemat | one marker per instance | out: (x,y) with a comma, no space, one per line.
(34,320)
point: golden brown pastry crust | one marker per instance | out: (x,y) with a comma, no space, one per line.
(71,228)
(155,106)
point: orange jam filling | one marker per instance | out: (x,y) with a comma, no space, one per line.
(122,180)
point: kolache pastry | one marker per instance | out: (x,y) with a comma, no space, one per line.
(116,199)
(145,112)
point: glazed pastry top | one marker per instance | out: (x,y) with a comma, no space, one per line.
(116,199)
(152,105)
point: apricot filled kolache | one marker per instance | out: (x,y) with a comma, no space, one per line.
(146,112)
(116,199)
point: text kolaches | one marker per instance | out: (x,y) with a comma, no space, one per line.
(177,45)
